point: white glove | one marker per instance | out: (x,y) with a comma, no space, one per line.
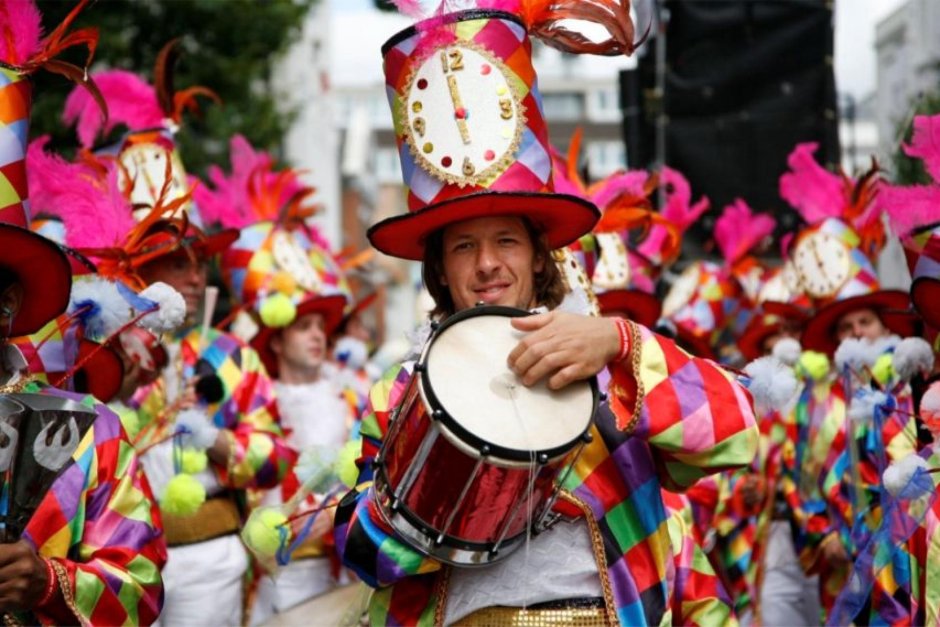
(196,429)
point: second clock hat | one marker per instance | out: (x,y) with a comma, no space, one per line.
(470,130)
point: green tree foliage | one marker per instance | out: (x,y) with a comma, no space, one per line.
(225,45)
(908,171)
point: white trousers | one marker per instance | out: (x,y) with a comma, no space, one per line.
(204,584)
(788,597)
(295,583)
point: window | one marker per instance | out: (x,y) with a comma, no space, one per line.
(563,105)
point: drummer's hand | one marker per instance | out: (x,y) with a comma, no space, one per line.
(23,576)
(564,347)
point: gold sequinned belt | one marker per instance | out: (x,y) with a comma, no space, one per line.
(561,614)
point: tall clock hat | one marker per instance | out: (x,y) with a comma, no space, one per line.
(38,264)
(915,217)
(151,171)
(833,256)
(622,278)
(468,117)
(281,267)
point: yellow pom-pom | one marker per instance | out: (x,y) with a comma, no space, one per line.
(193,461)
(265,531)
(183,496)
(284,283)
(278,311)
(812,365)
(345,464)
(883,370)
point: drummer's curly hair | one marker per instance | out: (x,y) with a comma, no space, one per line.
(549,284)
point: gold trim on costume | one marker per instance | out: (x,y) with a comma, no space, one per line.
(215,518)
(519,617)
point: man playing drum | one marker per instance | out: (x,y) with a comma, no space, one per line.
(484,218)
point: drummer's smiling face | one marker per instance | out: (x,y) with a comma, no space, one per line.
(490,260)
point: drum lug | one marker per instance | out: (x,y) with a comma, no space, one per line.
(435,325)
(588,437)
(602,397)
(542,458)
(394,504)
(419,367)
(437,414)
(485,450)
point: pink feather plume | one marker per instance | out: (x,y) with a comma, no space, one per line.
(20,31)
(925,143)
(90,204)
(623,183)
(909,208)
(253,192)
(679,209)
(131,101)
(812,190)
(739,230)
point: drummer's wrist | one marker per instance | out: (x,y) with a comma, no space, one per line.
(623,339)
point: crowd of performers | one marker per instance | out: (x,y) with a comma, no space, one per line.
(765,451)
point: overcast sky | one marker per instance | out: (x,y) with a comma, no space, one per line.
(356,60)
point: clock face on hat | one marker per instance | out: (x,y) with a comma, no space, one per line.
(682,290)
(144,168)
(612,271)
(782,286)
(291,258)
(464,118)
(822,262)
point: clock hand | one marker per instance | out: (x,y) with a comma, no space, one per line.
(460,113)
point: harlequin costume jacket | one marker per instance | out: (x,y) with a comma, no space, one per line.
(247,408)
(694,420)
(99,521)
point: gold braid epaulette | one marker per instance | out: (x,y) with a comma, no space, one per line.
(636,358)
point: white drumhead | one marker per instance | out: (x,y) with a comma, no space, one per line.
(468,373)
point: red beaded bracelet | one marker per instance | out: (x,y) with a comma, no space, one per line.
(50,585)
(623,330)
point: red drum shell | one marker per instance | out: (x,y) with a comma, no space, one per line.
(495,493)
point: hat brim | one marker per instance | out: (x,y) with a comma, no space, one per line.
(213,244)
(639,307)
(751,341)
(332,308)
(102,372)
(43,271)
(925,296)
(561,217)
(819,334)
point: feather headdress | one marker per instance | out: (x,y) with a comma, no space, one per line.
(548,20)
(253,191)
(915,206)
(818,194)
(739,230)
(88,198)
(132,101)
(25,49)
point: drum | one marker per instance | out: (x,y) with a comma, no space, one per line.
(472,458)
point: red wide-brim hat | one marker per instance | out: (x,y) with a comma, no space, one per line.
(562,218)
(332,307)
(638,306)
(925,296)
(44,272)
(759,329)
(819,334)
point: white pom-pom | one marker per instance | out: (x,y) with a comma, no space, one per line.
(772,383)
(912,356)
(852,354)
(99,306)
(171,311)
(787,350)
(899,474)
(862,407)
(352,352)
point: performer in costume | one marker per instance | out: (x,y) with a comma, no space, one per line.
(483,219)
(81,542)
(909,568)
(839,458)
(281,270)
(209,425)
